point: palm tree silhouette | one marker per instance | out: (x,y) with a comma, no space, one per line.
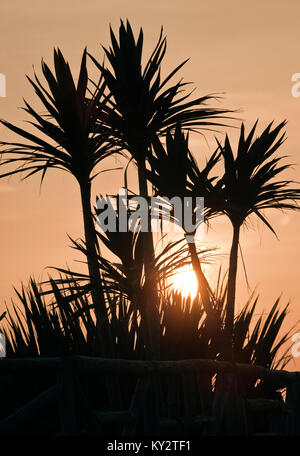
(175,173)
(140,107)
(249,186)
(72,143)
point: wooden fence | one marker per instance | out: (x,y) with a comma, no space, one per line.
(105,397)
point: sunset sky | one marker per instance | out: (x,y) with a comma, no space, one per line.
(248,51)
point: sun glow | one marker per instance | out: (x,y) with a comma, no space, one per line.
(185,282)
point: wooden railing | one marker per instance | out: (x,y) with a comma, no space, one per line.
(179,398)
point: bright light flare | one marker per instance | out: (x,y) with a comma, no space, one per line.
(185,282)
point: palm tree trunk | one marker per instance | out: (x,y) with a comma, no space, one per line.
(151,304)
(102,323)
(230,303)
(203,289)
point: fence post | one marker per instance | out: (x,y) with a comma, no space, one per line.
(228,407)
(68,418)
(137,406)
(293,403)
(151,407)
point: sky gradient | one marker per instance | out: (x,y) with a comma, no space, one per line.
(247,52)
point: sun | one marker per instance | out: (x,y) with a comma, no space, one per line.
(185,282)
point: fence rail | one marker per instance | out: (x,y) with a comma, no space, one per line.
(197,396)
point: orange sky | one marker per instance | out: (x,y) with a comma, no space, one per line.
(249,51)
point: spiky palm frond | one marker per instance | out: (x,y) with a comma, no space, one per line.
(170,164)
(250,182)
(260,343)
(33,330)
(142,104)
(258,338)
(69,139)
(175,172)
(66,324)
(128,278)
(56,321)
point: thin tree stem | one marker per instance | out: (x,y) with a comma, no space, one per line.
(102,323)
(230,303)
(203,287)
(150,307)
